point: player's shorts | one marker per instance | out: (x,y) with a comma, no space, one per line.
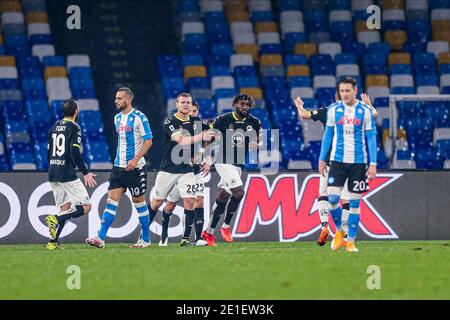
(165,182)
(230,176)
(323,187)
(355,173)
(72,192)
(198,188)
(135,180)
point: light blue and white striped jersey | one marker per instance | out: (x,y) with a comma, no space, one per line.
(350,126)
(132,129)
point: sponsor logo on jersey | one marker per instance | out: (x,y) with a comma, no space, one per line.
(124,128)
(296,212)
(347,120)
(237,138)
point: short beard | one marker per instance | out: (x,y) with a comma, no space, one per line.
(122,108)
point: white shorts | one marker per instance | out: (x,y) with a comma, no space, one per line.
(323,187)
(199,189)
(72,192)
(230,176)
(165,181)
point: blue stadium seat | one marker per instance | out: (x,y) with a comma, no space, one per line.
(414,47)
(289,5)
(21,51)
(292,38)
(271,49)
(429,159)
(380,48)
(262,16)
(197,82)
(245,71)
(207,108)
(7,84)
(31,95)
(16,40)
(424,63)
(214,16)
(40,154)
(270,83)
(218,60)
(295,59)
(82,84)
(225,93)
(41,39)
(419,31)
(33,84)
(247,82)
(222,49)
(187,6)
(299,81)
(316,21)
(400,69)
(339,5)
(80,72)
(345,58)
(438,4)
(426,80)
(192,60)
(219,71)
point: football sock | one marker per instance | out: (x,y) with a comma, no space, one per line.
(217,210)
(353,219)
(152,213)
(108,217)
(336,211)
(144,219)
(324,210)
(198,222)
(165,225)
(72,213)
(231,209)
(345,213)
(58,231)
(189,219)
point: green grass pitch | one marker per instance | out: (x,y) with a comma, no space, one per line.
(300,270)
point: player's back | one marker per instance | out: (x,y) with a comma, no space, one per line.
(61,138)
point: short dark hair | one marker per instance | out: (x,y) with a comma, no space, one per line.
(127,91)
(69,107)
(184,95)
(348,80)
(243,96)
(195,104)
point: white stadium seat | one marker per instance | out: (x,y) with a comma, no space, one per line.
(192,27)
(440,14)
(378,92)
(299,164)
(8,73)
(361,5)
(394,14)
(268,38)
(259,5)
(42,50)
(295,16)
(12,18)
(437,47)
(340,15)
(331,48)
(402,80)
(88,104)
(238,27)
(347,70)
(244,38)
(222,82)
(211,6)
(441,134)
(38,28)
(324,82)
(421,5)
(237,60)
(78,61)
(368,37)
(224,103)
(427,90)
(303,92)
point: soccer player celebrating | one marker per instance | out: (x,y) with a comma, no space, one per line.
(177,170)
(129,171)
(198,188)
(240,131)
(320,114)
(349,123)
(63,153)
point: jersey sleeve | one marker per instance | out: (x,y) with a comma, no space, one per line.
(144,128)
(369,121)
(319,115)
(219,124)
(170,128)
(205,127)
(331,121)
(75,150)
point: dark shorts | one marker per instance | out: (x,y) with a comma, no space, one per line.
(135,181)
(354,172)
